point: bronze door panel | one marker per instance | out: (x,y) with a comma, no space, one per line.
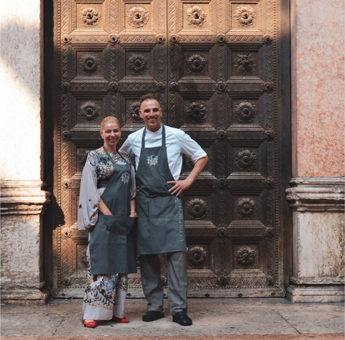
(216,68)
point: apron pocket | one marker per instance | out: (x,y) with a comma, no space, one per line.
(116,224)
(165,207)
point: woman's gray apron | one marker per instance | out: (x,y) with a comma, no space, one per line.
(160,214)
(113,238)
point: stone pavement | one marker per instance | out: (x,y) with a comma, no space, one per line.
(213,319)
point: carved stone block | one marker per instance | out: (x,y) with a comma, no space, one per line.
(318,245)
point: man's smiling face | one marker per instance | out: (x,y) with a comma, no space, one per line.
(151,113)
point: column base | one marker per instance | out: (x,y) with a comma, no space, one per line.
(24,296)
(315,293)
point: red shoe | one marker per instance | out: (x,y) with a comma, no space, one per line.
(90,324)
(120,320)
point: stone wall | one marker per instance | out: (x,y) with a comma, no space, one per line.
(22,198)
(317,193)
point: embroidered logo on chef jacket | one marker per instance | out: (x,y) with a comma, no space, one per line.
(125,177)
(152,160)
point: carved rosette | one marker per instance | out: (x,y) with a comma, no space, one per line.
(245,256)
(160,39)
(197,256)
(160,86)
(245,207)
(133,112)
(221,134)
(89,63)
(269,181)
(90,111)
(269,232)
(114,38)
(66,86)
(174,86)
(245,15)
(270,280)
(137,16)
(221,38)
(196,112)
(90,16)
(66,232)
(138,63)
(222,281)
(245,159)
(245,112)
(113,86)
(196,16)
(222,232)
(67,39)
(221,182)
(221,86)
(197,208)
(245,63)
(196,63)
(269,134)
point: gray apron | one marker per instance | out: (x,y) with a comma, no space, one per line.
(160,214)
(113,238)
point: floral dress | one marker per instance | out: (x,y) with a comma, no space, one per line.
(105,294)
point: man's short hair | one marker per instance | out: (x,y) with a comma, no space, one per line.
(148,96)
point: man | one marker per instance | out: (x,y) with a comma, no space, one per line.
(158,153)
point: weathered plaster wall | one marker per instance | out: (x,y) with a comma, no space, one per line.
(318,88)
(20,86)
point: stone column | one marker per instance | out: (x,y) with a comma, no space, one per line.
(22,198)
(317,193)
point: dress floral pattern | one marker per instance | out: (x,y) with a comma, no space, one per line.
(105,294)
(101,290)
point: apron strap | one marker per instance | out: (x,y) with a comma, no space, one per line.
(111,158)
(144,135)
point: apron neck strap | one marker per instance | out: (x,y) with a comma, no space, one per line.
(163,137)
(111,158)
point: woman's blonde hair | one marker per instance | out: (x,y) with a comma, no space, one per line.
(109,119)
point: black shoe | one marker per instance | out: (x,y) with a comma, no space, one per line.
(182,319)
(152,316)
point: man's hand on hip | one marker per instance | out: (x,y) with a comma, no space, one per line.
(183,184)
(179,186)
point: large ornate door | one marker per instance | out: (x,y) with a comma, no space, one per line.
(215,65)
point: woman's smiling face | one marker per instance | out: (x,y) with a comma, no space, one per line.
(111,134)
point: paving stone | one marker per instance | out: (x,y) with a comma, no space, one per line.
(206,337)
(213,319)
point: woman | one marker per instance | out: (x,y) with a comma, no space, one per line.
(107,210)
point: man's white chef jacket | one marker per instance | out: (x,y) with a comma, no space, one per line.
(177,143)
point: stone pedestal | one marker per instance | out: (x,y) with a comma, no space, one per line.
(22,203)
(318,239)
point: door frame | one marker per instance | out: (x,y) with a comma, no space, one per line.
(53,215)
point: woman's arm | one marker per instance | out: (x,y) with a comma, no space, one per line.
(103,208)
(88,197)
(133,212)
